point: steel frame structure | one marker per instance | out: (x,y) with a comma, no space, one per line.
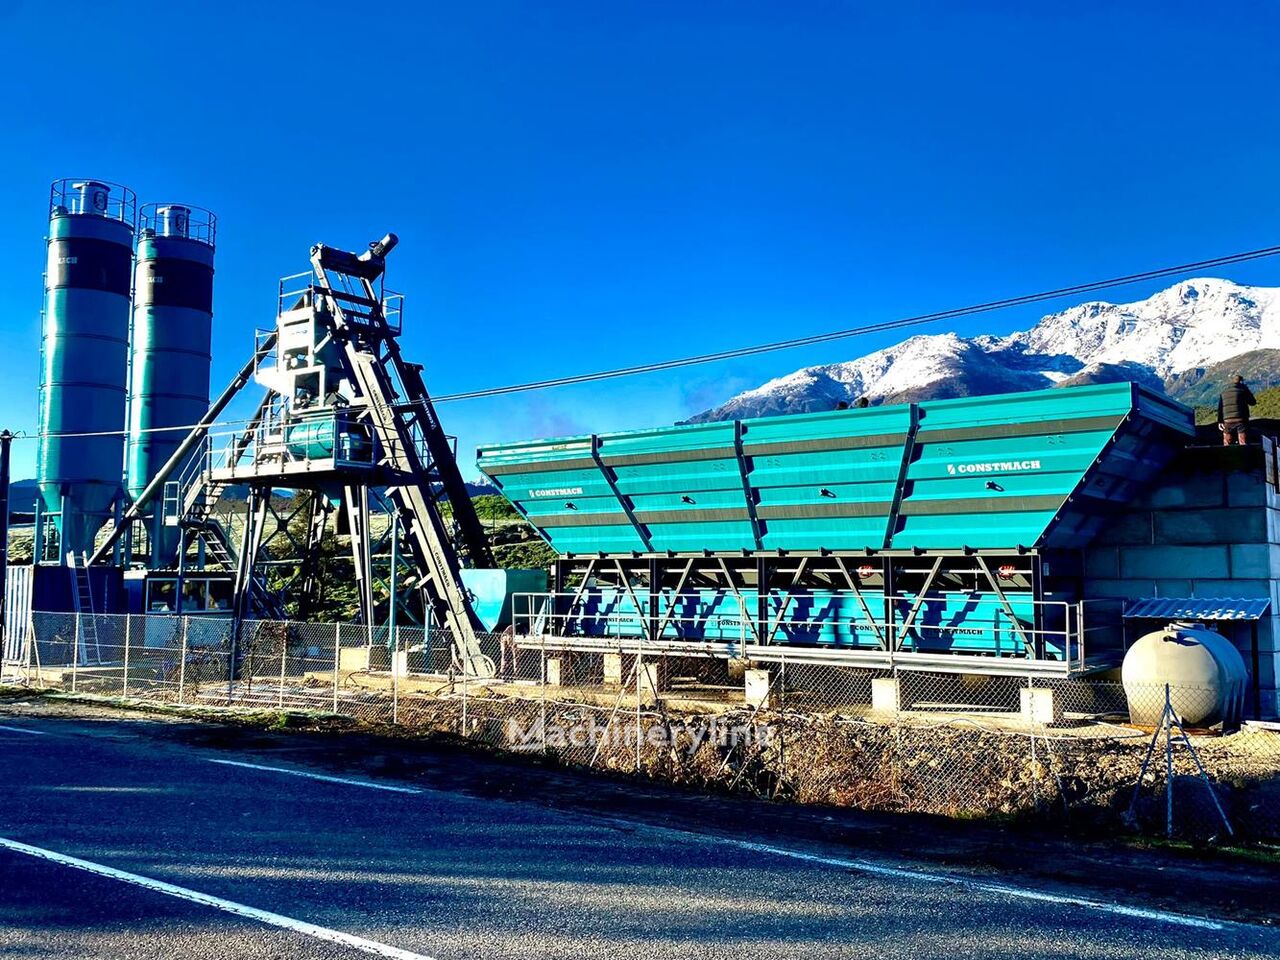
(653,582)
(410,470)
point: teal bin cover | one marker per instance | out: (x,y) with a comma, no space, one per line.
(1033,470)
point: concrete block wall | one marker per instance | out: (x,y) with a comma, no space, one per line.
(1211,528)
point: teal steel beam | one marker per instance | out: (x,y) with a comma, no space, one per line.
(1027,642)
(923,594)
(746,485)
(606,473)
(908,449)
(856,589)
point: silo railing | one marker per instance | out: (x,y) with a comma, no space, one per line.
(178,221)
(70,196)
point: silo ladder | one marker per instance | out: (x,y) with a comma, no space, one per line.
(82,601)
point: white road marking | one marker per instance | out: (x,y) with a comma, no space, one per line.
(318,776)
(34,733)
(859,865)
(1001,889)
(923,876)
(229,906)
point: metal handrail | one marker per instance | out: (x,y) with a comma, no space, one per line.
(122,203)
(201,225)
(536,612)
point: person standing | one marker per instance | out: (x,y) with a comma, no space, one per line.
(1233,412)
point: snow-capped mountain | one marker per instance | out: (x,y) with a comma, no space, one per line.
(1169,340)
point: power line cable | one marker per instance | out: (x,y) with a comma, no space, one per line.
(657,366)
(30,435)
(920,320)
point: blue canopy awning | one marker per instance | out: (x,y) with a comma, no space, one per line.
(1196,608)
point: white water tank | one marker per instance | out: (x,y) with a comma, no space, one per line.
(1205,674)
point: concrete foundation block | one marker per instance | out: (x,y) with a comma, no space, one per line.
(613,669)
(405,662)
(1246,489)
(1102,562)
(651,679)
(1197,490)
(1207,562)
(886,695)
(1268,636)
(1039,706)
(1131,528)
(757,684)
(1120,588)
(1254,560)
(1216,525)
(553,671)
(352,659)
(1174,588)
(1273,525)
(1226,588)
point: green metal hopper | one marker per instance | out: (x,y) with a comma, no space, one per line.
(1017,471)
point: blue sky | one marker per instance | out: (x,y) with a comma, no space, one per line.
(588,185)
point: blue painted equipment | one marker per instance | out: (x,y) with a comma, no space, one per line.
(491,592)
(84,359)
(943,526)
(1023,469)
(170,347)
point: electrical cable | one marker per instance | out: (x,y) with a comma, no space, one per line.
(862,330)
(661,365)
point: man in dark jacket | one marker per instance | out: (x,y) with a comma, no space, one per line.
(1233,412)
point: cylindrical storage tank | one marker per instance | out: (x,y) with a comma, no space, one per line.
(170,348)
(1205,675)
(84,356)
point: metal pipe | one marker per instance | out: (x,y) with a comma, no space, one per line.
(6,438)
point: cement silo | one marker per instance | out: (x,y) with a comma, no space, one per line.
(84,350)
(170,349)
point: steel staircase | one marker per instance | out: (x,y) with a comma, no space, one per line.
(410,442)
(190,501)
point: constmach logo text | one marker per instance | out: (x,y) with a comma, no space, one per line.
(555,492)
(992,466)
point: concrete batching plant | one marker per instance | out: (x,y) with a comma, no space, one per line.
(1030,534)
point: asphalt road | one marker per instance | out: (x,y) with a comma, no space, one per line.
(415,871)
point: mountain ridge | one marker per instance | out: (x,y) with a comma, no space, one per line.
(1185,340)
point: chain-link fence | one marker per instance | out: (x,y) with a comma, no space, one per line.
(1080,754)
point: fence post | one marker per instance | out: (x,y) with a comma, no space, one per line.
(639,669)
(1167,719)
(124,692)
(542,683)
(897,765)
(75,651)
(1031,725)
(284,658)
(337,655)
(464,702)
(182,665)
(395,673)
(781,718)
